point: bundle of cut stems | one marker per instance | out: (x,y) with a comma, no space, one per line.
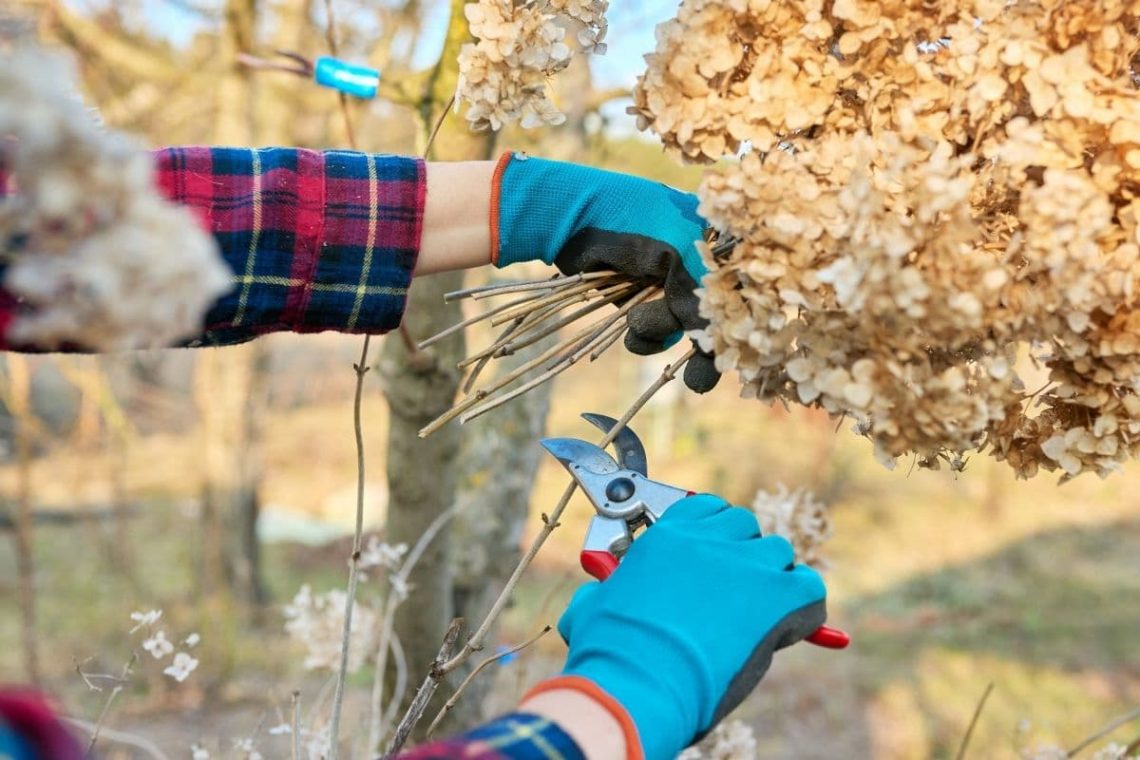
(535,310)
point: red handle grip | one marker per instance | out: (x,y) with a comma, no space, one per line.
(598,563)
(601,564)
(829,638)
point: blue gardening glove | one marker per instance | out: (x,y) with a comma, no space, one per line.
(686,626)
(582,219)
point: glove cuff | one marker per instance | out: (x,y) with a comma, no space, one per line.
(496,195)
(587,687)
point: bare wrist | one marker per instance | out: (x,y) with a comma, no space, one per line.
(596,731)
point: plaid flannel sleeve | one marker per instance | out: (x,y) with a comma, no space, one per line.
(518,736)
(317,240)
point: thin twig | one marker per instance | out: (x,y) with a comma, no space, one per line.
(475,643)
(438,125)
(606,297)
(451,413)
(474,320)
(559,296)
(296,725)
(973,722)
(555,283)
(612,339)
(584,334)
(473,375)
(377,726)
(514,286)
(119,737)
(1111,726)
(481,393)
(98,727)
(560,365)
(401,689)
(330,37)
(361,369)
(521,324)
(454,698)
(426,690)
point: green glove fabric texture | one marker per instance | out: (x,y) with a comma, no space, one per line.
(583,219)
(687,624)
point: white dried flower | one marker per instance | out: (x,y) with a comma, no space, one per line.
(730,740)
(1111,751)
(281,729)
(520,44)
(198,752)
(1044,752)
(316,743)
(95,255)
(248,749)
(182,667)
(378,553)
(317,620)
(144,619)
(191,641)
(157,645)
(798,517)
(400,587)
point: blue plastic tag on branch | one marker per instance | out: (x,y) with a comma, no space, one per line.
(358,81)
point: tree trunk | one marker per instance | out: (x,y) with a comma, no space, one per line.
(231,383)
(497,466)
(231,392)
(18,399)
(422,474)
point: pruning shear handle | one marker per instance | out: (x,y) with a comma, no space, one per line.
(624,498)
(601,564)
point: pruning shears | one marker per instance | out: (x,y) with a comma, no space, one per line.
(626,500)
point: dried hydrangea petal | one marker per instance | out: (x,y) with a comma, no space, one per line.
(503,75)
(924,200)
(96,263)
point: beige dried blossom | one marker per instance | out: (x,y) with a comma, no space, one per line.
(317,622)
(928,196)
(797,516)
(730,740)
(1111,751)
(520,44)
(98,257)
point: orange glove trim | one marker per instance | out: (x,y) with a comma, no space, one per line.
(496,189)
(585,686)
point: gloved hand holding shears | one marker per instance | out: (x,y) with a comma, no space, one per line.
(693,643)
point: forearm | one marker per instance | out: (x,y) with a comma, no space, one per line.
(457,214)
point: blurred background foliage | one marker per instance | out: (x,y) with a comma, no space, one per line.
(947,581)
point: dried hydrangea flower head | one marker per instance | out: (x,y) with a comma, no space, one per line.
(100,259)
(519,45)
(929,198)
(797,516)
(317,621)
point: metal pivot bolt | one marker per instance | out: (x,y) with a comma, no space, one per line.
(620,489)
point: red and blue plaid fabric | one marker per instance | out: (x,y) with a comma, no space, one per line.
(517,736)
(317,240)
